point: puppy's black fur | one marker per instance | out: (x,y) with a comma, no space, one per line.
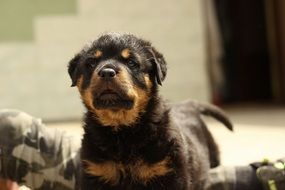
(133,140)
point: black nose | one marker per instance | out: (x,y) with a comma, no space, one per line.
(107,73)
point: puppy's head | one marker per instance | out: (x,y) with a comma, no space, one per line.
(116,76)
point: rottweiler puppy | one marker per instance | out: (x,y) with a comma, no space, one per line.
(133,140)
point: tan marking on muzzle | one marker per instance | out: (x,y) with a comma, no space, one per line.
(79,83)
(148,82)
(125,117)
(86,94)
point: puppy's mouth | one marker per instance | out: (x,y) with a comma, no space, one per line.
(109,94)
(112,98)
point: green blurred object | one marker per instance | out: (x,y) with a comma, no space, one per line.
(17,16)
(272,175)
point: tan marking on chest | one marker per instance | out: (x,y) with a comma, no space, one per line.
(145,172)
(108,172)
(111,172)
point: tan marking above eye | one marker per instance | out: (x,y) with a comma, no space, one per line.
(98,53)
(126,53)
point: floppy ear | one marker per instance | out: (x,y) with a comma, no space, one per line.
(72,69)
(159,65)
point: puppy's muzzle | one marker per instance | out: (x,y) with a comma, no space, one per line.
(107,70)
(107,73)
(110,88)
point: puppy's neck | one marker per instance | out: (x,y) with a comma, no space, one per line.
(154,112)
(104,143)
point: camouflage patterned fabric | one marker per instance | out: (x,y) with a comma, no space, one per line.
(36,156)
(221,178)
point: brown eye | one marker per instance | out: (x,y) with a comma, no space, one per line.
(90,62)
(132,63)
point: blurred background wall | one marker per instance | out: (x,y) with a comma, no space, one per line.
(39,37)
(225,52)
(245,50)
